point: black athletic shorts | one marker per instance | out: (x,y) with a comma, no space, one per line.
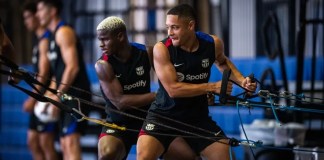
(129,137)
(166,135)
(41,127)
(68,123)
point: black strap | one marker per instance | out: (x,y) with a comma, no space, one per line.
(225,78)
(20,73)
(60,105)
(4,60)
(37,96)
(42,98)
(31,80)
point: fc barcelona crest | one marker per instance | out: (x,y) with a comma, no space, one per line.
(205,63)
(140,70)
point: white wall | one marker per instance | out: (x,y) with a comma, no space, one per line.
(242,29)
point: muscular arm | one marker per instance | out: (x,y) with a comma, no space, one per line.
(43,72)
(66,40)
(114,91)
(166,73)
(150,54)
(43,65)
(222,63)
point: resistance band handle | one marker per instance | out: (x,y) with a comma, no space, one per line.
(251,76)
(253,80)
(61,106)
(225,78)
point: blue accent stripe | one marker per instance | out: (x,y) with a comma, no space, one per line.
(139,46)
(71,128)
(61,23)
(47,34)
(50,127)
(204,36)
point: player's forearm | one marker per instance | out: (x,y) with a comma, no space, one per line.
(181,89)
(135,100)
(236,75)
(68,78)
(42,76)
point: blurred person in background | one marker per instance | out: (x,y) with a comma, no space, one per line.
(68,67)
(40,135)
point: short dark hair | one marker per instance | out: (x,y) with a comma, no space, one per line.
(183,11)
(30,6)
(53,3)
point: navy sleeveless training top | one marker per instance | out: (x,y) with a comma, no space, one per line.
(35,56)
(191,68)
(81,81)
(134,77)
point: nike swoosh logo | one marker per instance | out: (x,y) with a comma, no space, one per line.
(177,65)
(117,76)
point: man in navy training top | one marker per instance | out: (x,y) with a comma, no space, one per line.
(182,63)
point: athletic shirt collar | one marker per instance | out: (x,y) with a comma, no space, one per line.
(105,57)
(59,25)
(46,34)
